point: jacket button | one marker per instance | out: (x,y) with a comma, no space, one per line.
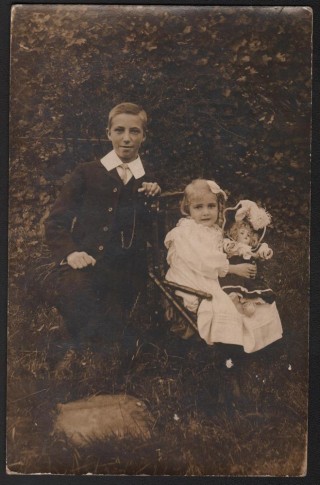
(100,248)
(110,209)
(115,189)
(105,228)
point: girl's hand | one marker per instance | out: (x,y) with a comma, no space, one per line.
(79,260)
(150,188)
(246,270)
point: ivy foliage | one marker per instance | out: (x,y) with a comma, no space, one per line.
(227,91)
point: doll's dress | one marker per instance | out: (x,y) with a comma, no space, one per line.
(264,326)
(196,260)
(247,288)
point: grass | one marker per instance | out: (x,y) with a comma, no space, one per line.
(193,434)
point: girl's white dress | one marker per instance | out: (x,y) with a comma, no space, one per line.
(196,259)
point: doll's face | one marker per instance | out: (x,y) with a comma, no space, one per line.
(244,236)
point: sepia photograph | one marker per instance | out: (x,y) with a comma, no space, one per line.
(159,221)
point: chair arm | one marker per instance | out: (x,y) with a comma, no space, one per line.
(173,300)
(186,289)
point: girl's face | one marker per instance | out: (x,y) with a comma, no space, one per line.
(204,208)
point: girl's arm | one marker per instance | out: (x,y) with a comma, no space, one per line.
(246,270)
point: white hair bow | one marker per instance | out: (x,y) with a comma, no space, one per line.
(215,189)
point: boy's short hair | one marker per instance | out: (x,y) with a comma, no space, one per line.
(235,228)
(128,108)
(200,185)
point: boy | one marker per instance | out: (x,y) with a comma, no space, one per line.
(97,233)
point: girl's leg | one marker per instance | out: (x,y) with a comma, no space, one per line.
(230,360)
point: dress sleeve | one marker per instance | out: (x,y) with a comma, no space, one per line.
(223,270)
(169,238)
(194,247)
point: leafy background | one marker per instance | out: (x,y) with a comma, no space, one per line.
(228,95)
(227,91)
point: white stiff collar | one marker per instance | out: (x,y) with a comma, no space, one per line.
(111,161)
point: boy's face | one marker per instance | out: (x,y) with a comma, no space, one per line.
(126,134)
(204,208)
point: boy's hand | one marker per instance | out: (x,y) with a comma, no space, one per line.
(79,260)
(150,188)
(246,270)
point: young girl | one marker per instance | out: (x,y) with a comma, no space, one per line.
(196,259)
(245,226)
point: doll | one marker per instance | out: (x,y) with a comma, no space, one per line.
(245,227)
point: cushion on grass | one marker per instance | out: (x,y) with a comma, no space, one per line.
(103,417)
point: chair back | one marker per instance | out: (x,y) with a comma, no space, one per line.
(166,213)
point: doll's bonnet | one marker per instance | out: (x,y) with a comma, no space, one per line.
(247,211)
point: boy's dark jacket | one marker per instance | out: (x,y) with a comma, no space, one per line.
(82,217)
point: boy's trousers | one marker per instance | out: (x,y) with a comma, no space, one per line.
(94,300)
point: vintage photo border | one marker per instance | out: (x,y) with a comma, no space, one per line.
(313,454)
